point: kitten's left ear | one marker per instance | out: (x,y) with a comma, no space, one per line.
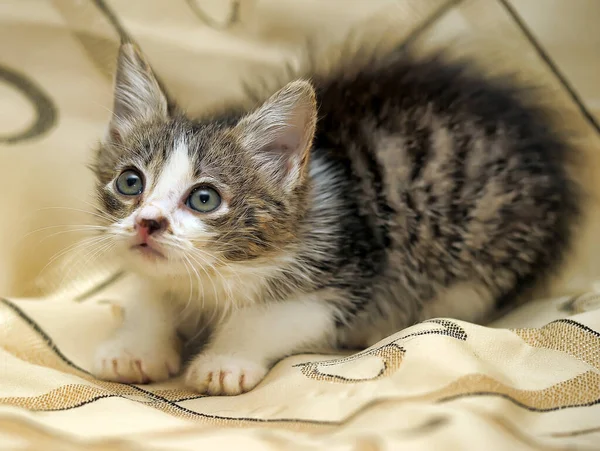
(138,95)
(279,134)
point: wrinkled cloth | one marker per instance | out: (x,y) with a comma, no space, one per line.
(530,380)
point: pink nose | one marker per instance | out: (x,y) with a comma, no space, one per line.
(146,227)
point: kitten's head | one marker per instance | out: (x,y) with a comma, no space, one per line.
(183,194)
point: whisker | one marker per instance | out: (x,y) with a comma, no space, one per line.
(201,264)
(90,257)
(96,214)
(183,312)
(88,242)
(41,229)
(97,230)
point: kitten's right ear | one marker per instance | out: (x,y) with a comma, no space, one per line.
(138,95)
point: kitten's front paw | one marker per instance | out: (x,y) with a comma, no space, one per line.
(118,360)
(215,374)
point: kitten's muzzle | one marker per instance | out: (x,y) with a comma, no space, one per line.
(146,228)
(150,226)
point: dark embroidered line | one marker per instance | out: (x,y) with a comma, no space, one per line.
(179,408)
(46,113)
(432,19)
(232,19)
(578,325)
(113,19)
(342,378)
(551,64)
(126,37)
(96,289)
(574,433)
(31,323)
(448,331)
(50,343)
(459,334)
(353,357)
(21,314)
(516,402)
(188,398)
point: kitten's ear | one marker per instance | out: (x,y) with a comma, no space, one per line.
(138,95)
(279,134)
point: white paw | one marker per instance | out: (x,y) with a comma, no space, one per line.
(216,374)
(120,360)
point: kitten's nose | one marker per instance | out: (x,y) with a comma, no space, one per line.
(150,226)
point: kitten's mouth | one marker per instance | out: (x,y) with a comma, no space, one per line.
(147,251)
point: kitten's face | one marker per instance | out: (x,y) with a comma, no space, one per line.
(190,196)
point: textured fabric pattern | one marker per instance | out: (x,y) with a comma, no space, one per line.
(439,383)
(531,380)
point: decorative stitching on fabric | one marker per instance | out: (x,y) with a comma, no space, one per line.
(431,20)
(576,324)
(153,396)
(46,113)
(392,358)
(551,64)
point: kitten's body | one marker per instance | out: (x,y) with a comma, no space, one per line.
(424,191)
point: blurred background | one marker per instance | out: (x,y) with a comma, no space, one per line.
(57,59)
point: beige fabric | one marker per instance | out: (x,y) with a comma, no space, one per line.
(532,382)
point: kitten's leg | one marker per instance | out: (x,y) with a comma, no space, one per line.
(466,301)
(252,339)
(145,348)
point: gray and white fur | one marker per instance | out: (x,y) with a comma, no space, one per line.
(350,205)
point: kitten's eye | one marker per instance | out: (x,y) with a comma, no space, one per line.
(130,183)
(204,199)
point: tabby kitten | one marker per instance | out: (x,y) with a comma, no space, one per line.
(335,213)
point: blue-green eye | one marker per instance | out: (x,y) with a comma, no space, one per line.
(130,183)
(204,199)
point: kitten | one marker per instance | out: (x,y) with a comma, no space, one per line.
(335,213)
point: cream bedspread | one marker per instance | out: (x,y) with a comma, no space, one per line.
(532,381)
